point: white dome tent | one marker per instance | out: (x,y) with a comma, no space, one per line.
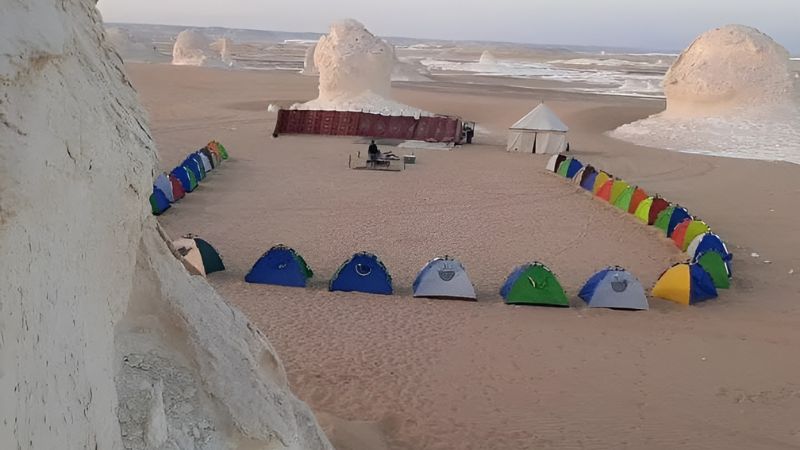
(540,131)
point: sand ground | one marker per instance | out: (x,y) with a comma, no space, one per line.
(433,374)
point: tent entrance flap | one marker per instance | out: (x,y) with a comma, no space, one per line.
(539,142)
(540,131)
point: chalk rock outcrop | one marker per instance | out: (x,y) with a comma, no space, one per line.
(107,342)
(128,48)
(726,68)
(355,70)
(487,58)
(407,70)
(193,48)
(309,66)
(226,47)
(730,93)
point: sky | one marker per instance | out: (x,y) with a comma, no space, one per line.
(642,24)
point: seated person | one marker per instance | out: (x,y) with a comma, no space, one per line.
(373,151)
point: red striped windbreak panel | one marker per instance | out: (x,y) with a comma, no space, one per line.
(346,123)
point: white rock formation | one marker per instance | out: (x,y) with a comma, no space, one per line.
(355,70)
(225,51)
(726,68)
(128,48)
(193,48)
(107,342)
(309,66)
(405,70)
(487,58)
(729,93)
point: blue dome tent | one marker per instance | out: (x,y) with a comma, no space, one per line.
(363,272)
(280,266)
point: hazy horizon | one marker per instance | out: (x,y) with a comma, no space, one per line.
(616,23)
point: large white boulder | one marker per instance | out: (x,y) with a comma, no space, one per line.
(726,68)
(730,93)
(352,61)
(355,72)
(487,58)
(193,48)
(106,341)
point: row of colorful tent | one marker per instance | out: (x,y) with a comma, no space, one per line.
(529,284)
(169,188)
(707,251)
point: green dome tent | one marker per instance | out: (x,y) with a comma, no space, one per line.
(617,189)
(533,284)
(624,199)
(713,263)
(663,218)
(563,168)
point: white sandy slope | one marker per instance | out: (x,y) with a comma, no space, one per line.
(729,93)
(107,342)
(355,70)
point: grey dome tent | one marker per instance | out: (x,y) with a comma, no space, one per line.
(614,288)
(540,131)
(445,278)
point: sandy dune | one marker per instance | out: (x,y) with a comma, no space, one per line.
(457,375)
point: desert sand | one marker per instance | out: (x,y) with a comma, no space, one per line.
(407,373)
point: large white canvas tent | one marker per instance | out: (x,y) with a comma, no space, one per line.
(540,131)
